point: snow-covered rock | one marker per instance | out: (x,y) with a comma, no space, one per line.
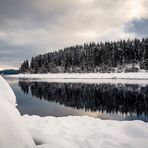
(13,133)
(86,132)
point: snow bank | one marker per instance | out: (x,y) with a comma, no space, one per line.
(6,92)
(86,132)
(138,75)
(12,130)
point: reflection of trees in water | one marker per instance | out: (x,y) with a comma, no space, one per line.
(94,97)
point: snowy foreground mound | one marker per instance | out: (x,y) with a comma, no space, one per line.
(64,132)
(87,132)
(6,92)
(13,133)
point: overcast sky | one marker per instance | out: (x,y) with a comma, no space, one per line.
(32,27)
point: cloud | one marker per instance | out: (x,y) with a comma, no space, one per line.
(36,26)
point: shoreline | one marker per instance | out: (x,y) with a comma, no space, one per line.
(140,78)
(114,76)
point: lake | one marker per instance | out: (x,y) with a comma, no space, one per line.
(113,101)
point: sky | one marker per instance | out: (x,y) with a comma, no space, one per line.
(32,27)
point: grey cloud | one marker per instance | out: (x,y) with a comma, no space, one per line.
(31,27)
(12,56)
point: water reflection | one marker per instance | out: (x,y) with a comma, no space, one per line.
(109,98)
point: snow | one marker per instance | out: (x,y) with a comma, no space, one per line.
(138,75)
(84,81)
(6,92)
(140,78)
(13,132)
(86,132)
(63,132)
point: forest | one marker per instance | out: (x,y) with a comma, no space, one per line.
(118,56)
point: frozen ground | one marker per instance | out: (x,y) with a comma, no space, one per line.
(64,132)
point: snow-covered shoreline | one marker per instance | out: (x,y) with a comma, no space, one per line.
(136,76)
(64,132)
(140,78)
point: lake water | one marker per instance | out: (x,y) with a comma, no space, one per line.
(100,100)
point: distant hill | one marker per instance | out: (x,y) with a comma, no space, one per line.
(9,71)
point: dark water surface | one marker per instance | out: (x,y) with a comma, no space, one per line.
(105,101)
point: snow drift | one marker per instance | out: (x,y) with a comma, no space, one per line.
(86,132)
(12,130)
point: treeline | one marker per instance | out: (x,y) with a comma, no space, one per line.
(92,57)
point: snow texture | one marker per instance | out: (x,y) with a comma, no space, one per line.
(13,133)
(86,132)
